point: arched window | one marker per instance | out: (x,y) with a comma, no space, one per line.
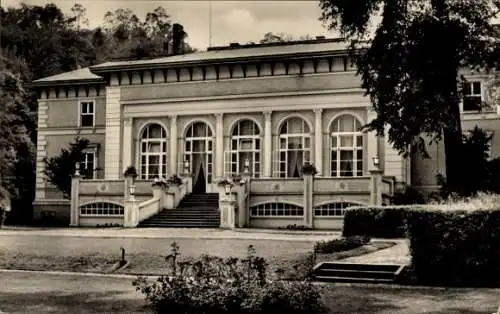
(276,209)
(153,156)
(101,209)
(333,209)
(198,152)
(244,145)
(294,148)
(346,147)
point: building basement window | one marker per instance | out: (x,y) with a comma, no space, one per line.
(87,112)
(336,209)
(101,209)
(276,210)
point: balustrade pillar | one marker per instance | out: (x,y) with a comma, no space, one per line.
(173,145)
(268,152)
(219,145)
(318,141)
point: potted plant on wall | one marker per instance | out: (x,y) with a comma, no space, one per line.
(227,184)
(309,169)
(130,172)
(163,183)
(174,180)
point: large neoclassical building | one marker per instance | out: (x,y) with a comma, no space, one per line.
(271,107)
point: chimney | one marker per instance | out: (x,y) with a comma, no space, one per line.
(178,35)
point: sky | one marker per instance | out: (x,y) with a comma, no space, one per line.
(232,21)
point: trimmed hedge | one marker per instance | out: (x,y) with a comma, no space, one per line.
(456,248)
(376,222)
(453,244)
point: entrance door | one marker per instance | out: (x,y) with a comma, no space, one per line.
(199,177)
(198,151)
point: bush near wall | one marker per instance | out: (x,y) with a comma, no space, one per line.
(377,222)
(455,243)
(456,248)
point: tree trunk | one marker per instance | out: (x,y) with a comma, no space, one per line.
(447,45)
(453,148)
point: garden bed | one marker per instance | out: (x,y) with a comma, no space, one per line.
(289,265)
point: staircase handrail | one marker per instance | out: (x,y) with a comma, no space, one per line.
(149,208)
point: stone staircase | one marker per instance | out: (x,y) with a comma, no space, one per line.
(194,211)
(357,273)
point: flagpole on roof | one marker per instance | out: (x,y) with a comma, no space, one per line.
(209,23)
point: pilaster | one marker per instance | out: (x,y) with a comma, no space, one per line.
(113,136)
(173,145)
(41,150)
(308,199)
(127,145)
(268,153)
(219,145)
(318,141)
(376,187)
(74,209)
(372,142)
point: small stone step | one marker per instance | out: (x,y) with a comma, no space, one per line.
(352,279)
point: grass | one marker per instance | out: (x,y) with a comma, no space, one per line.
(41,293)
(289,265)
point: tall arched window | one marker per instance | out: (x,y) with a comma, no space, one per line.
(244,145)
(294,148)
(346,147)
(153,154)
(198,152)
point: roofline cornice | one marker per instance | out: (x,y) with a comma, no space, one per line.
(65,82)
(97,69)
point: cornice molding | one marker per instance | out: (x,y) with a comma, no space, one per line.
(242,96)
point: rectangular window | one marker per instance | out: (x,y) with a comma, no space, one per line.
(88,164)
(472,96)
(87,112)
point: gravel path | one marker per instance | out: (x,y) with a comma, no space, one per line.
(397,254)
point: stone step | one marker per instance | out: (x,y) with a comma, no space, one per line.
(357,273)
(352,280)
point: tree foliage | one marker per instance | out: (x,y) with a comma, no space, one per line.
(60,168)
(410,66)
(481,173)
(17,151)
(271,37)
(40,41)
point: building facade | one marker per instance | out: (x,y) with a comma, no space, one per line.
(273,108)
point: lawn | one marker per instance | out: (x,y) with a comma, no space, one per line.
(46,293)
(147,257)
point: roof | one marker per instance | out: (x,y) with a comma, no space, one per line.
(79,75)
(231,54)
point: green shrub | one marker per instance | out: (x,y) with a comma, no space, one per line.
(452,242)
(341,244)
(377,222)
(213,285)
(455,248)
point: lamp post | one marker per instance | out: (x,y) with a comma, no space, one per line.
(246,166)
(132,191)
(227,188)
(77,169)
(376,162)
